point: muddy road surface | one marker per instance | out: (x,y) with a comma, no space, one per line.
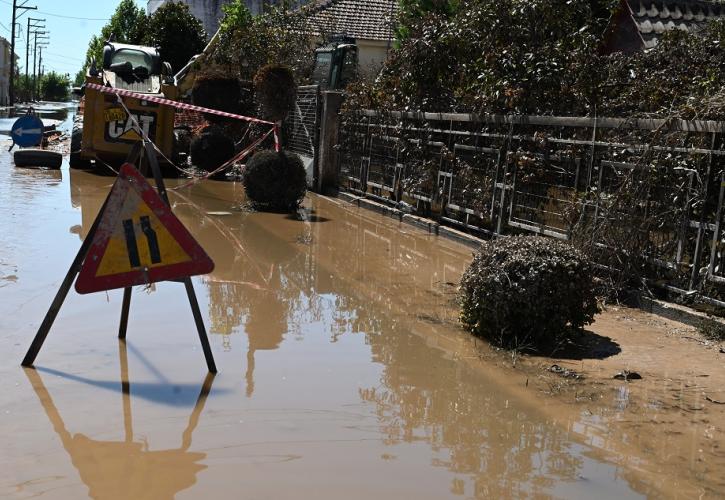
(343,372)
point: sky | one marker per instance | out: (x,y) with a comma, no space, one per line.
(71,24)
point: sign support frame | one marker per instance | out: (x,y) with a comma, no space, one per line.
(45,326)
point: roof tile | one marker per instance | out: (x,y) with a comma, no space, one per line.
(654,17)
(364,19)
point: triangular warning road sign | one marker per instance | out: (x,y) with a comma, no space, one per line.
(139,240)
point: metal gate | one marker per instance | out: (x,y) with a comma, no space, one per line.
(303,129)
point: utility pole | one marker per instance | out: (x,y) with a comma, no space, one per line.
(27,46)
(11,89)
(35,53)
(40,69)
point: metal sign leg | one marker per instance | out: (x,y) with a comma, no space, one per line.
(198,319)
(200,325)
(52,313)
(124,312)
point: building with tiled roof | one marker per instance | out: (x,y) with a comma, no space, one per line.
(637,24)
(371,22)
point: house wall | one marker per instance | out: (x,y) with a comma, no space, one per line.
(371,56)
(209,12)
(4,72)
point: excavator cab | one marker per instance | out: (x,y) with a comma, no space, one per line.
(336,63)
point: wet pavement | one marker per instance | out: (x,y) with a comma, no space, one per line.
(51,114)
(343,373)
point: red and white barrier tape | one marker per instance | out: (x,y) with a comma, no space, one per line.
(239,157)
(185,106)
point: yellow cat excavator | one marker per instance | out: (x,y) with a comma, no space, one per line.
(103,131)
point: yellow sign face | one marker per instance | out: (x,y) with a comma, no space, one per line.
(139,240)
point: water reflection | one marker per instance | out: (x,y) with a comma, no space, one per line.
(52,113)
(333,273)
(128,469)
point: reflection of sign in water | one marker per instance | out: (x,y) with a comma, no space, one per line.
(27,131)
(128,469)
(139,240)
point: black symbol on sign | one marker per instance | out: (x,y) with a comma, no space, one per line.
(132,246)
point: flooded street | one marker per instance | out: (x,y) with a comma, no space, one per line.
(343,373)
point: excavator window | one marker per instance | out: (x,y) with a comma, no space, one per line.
(136,58)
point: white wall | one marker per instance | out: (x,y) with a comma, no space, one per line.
(371,56)
(4,72)
(210,11)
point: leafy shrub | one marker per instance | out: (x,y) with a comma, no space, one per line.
(275,181)
(211,148)
(712,329)
(216,91)
(276,91)
(527,291)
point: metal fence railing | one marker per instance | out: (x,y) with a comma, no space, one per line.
(303,123)
(495,174)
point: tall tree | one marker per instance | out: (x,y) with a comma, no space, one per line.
(411,11)
(55,87)
(128,24)
(176,32)
(280,35)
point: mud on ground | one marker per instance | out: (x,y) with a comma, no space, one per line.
(676,410)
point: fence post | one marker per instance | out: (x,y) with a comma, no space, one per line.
(695,277)
(327,164)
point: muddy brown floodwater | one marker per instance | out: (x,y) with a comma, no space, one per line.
(343,372)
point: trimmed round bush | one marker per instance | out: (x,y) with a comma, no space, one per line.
(217,91)
(275,181)
(527,292)
(276,91)
(211,148)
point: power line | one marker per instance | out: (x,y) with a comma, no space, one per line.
(66,57)
(74,17)
(63,16)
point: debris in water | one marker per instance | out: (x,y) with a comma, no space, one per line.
(565,372)
(627,375)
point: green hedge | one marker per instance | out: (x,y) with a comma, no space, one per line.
(527,291)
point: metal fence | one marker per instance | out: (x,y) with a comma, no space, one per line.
(302,127)
(493,175)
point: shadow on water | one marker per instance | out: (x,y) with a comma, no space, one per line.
(128,468)
(162,392)
(279,278)
(307,218)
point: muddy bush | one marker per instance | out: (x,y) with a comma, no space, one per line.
(712,329)
(211,148)
(275,181)
(527,292)
(217,91)
(276,91)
